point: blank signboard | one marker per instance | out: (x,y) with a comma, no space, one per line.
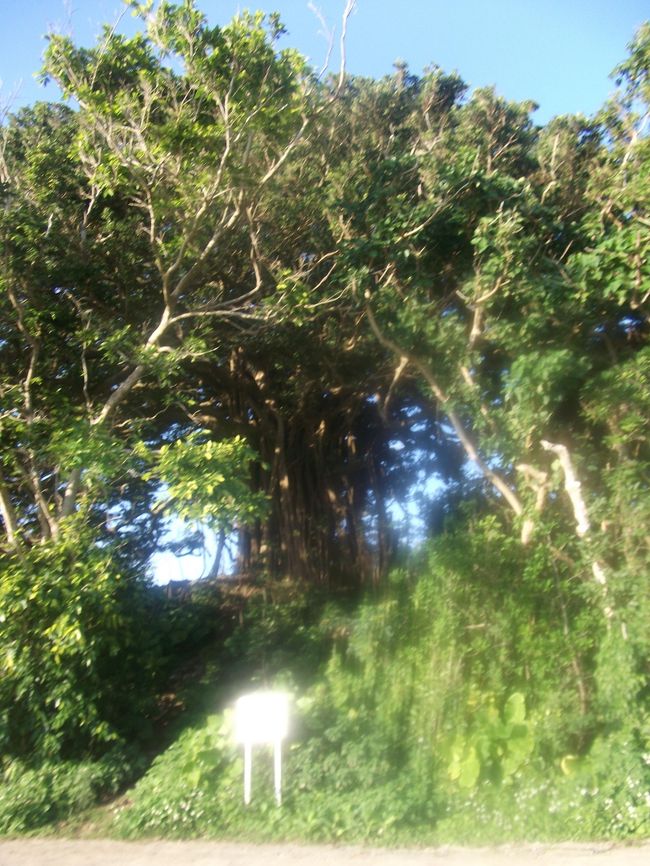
(262,718)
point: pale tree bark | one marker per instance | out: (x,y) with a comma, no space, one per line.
(571,485)
(215,568)
(72,490)
(9,517)
(26,459)
(48,521)
(495,478)
(573,490)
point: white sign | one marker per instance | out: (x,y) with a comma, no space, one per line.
(262,718)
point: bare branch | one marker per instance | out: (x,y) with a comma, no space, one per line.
(583,526)
(71,493)
(329,37)
(9,517)
(224,223)
(223,314)
(349,6)
(465,439)
(489,294)
(571,485)
(287,151)
(118,395)
(397,375)
(540,482)
(34,344)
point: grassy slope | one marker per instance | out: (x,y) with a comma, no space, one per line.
(406,729)
(410,725)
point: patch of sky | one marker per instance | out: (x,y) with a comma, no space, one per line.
(187,552)
(409,514)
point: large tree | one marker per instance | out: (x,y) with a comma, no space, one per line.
(130,224)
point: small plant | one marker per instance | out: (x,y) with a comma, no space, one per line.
(496,744)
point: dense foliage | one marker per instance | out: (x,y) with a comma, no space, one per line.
(279,306)
(431,721)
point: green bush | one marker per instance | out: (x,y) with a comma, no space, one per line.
(33,797)
(78,651)
(283,630)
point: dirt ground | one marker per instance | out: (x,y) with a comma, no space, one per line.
(83,852)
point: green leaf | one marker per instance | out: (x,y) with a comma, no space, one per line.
(515,708)
(470,768)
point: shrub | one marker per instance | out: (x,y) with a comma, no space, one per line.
(78,652)
(33,797)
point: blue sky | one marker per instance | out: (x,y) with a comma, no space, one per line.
(558,52)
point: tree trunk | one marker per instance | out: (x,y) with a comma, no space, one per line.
(216,562)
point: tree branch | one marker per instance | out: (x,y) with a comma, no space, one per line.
(583,526)
(9,517)
(571,485)
(118,395)
(465,439)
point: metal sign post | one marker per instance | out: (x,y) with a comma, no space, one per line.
(262,718)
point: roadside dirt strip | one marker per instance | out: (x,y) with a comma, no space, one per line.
(61,852)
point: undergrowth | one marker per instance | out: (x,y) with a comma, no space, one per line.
(436,715)
(33,797)
(447,707)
